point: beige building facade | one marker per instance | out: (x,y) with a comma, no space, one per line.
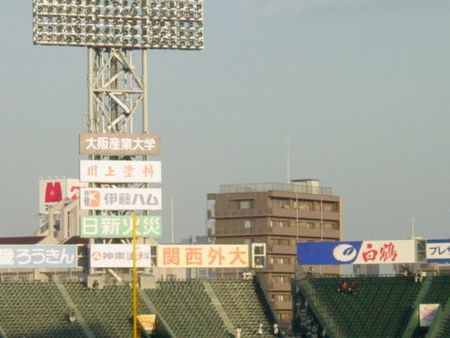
(279,215)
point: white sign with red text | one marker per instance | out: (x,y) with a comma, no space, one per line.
(119,256)
(203,256)
(53,191)
(120,171)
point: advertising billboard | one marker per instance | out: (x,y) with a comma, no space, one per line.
(120,171)
(120,199)
(203,256)
(356,252)
(53,191)
(38,256)
(119,256)
(123,144)
(438,251)
(119,226)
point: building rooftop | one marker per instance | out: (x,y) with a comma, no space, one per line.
(301,187)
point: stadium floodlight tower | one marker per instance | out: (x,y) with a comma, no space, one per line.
(112,29)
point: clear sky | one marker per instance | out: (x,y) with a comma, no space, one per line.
(359,87)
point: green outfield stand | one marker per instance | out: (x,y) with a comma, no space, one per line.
(244,305)
(187,309)
(35,310)
(378,307)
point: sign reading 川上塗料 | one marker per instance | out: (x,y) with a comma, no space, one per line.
(119,256)
(123,144)
(119,226)
(120,171)
(438,250)
(356,252)
(120,199)
(203,256)
(38,256)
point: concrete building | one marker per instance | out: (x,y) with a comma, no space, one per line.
(279,215)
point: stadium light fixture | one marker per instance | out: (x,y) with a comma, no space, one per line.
(133,24)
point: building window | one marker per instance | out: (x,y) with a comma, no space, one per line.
(280,260)
(282,297)
(275,223)
(285,316)
(249,224)
(331,226)
(281,279)
(280,241)
(245,204)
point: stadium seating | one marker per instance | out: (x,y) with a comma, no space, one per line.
(35,310)
(375,300)
(244,305)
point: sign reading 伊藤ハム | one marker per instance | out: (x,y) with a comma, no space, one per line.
(120,199)
(119,226)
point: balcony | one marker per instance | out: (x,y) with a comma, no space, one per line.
(278,306)
(285,268)
(282,249)
(272,286)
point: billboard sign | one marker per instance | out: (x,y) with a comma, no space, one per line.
(203,256)
(120,199)
(427,313)
(120,171)
(53,191)
(119,226)
(38,256)
(356,252)
(123,144)
(438,251)
(119,256)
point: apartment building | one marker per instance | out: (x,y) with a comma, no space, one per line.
(279,215)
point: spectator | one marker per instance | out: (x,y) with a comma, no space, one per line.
(309,273)
(260,329)
(418,277)
(276,331)
(343,287)
(238,332)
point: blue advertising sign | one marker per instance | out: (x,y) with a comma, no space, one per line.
(438,251)
(356,252)
(324,253)
(38,256)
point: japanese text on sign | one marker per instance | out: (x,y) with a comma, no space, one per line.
(119,226)
(203,256)
(119,256)
(119,144)
(120,171)
(120,199)
(38,256)
(438,251)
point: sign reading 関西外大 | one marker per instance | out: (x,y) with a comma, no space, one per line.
(114,144)
(119,226)
(38,256)
(120,199)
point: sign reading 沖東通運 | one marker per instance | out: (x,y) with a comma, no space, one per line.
(123,144)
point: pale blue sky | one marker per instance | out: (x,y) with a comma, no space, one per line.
(361,88)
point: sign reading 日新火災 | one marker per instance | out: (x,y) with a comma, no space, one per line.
(356,252)
(120,171)
(38,256)
(120,199)
(119,226)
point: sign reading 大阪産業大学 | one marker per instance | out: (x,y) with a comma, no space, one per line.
(126,144)
(119,226)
